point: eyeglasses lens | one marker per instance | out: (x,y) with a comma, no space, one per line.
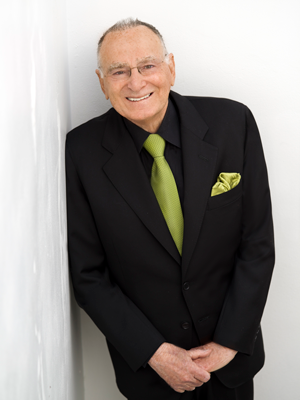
(146,69)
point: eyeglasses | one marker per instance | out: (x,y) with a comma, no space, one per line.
(123,72)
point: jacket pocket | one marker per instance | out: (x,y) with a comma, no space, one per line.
(225,198)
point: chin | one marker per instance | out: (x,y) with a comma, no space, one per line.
(140,115)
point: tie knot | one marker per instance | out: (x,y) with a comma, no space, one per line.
(155,145)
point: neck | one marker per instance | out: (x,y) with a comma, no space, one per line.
(152,125)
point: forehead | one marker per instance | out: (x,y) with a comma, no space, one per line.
(130,46)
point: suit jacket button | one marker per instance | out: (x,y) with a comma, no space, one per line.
(186,286)
(185,325)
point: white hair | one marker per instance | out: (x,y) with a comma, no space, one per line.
(124,25)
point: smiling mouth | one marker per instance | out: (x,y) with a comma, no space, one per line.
(139,99)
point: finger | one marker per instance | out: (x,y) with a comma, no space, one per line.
(179,389)
(199,352)
(190,388)
(200,383)
(202,375)
(195,382)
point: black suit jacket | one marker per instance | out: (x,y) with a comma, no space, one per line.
(126,271)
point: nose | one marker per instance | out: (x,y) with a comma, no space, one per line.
(136,80)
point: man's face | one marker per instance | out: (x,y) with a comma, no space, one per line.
(131,47)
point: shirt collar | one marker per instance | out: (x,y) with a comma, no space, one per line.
(168,130)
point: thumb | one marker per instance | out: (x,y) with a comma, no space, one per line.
(199,352)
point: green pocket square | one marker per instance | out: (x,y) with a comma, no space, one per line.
(226,181)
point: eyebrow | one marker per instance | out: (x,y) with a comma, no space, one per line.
(149,58)
(118,65)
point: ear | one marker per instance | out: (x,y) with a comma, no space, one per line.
(172,68)
(101,80)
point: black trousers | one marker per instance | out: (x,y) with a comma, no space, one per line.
(212,390)
(215,390)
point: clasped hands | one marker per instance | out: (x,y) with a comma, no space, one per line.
(184,370)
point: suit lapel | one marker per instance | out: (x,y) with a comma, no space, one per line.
(126,172)
(199,159)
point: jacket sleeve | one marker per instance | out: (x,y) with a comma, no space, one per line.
(239,322)
(123,324)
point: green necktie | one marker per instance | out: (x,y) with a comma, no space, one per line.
(165,189)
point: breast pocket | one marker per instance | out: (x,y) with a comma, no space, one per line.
(226,198)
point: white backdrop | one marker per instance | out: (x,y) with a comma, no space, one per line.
(247,51)
(40,348)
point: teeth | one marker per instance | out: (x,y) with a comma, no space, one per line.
(141,98)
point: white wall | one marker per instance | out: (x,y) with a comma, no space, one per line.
(247,51)
(40,342)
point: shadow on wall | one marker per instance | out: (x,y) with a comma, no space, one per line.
(99,377)
(76,345)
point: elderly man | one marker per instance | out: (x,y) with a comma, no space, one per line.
(170,228)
